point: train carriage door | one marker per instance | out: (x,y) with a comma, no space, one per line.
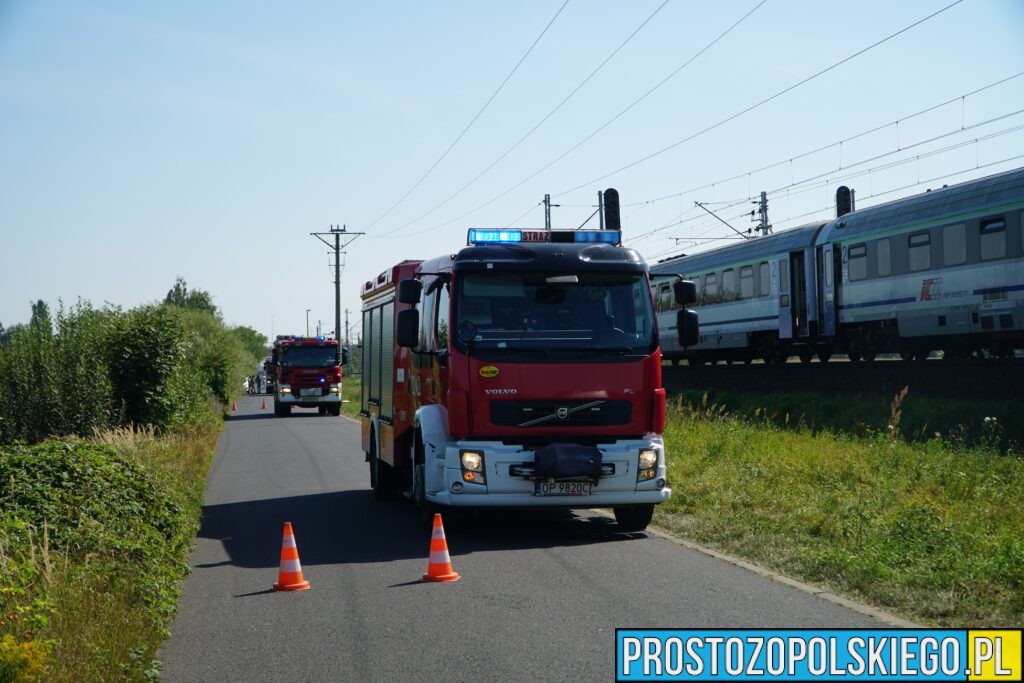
(828,277)
(785,308)
(799,303)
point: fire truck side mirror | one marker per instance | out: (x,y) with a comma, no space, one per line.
(407,327)
(688,327)
(344,355)
(409,291)
(685,292)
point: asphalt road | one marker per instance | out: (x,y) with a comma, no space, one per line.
(539,599)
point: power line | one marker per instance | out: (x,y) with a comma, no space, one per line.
(762,102)
(537,125)
(470,124)
(599,129)
(851,138)
(831,207)
(803,185)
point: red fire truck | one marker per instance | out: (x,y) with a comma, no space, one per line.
(306,372)
(522,371)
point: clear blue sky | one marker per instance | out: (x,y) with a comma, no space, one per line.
(144,141)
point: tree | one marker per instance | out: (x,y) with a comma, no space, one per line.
(41,316)
(195,300)
(254,342)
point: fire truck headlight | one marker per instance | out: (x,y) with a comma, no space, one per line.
(472,461)
(646,464)
(648,458)
(285,389)
(472,466)
(335,388)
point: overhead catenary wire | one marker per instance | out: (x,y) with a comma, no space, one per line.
(530,132)
(851,138)
(472,121)
(599,129)
(807,184)
(762,102)
(831,207)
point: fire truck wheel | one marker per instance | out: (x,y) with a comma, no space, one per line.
(425,508)
(282,410)
(633,517)
(334,411)
(382,478)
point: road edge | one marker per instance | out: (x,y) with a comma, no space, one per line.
(860,608)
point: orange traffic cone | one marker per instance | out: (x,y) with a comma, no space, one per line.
(234,405)
(289,578)
(264,406)
(440,565)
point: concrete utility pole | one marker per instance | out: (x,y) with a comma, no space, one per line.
(346,328)
(307,320)
(600,206)
(337,233)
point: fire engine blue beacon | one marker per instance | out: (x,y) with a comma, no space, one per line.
(817,655)
(484,236)
(480,236)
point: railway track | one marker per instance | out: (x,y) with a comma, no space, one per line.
(998,379)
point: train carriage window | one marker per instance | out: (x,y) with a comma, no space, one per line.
(711,288)
(920,252)
(665,297)
(993,239)
(747,282)
(764,284)
(884,251)
(857,258)
(954,245)
(696,279)
(729,281)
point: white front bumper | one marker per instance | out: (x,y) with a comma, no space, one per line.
(503,489)
(289,399)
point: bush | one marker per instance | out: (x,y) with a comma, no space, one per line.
(101,369)
(94,540)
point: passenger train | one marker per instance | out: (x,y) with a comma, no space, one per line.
(942,270)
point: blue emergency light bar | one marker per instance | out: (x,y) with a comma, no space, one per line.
(478,236)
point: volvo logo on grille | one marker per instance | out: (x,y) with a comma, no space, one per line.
(562,413)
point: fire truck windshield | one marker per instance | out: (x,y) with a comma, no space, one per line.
(565,316)
(309,356)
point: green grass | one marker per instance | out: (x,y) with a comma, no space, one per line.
(961,423)
(351,391)
(94,542)
(930,530)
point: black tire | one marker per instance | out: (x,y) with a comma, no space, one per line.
(633,517)
(282,410)
(382,476)
(334,410)
(424,508)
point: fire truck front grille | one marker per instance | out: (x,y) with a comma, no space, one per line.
(560,413)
